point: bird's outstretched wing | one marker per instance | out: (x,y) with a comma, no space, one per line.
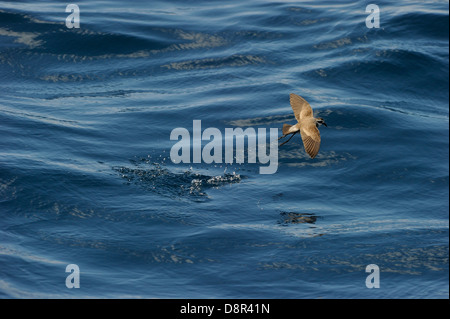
(300,107)
(311,138)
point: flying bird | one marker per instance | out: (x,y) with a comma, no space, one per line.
(307,125)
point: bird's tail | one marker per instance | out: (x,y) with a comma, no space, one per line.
(286,128)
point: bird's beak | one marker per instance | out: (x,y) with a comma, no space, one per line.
(325,124)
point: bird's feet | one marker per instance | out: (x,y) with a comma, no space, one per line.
(292,135)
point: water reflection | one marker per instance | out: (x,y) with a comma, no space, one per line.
(287,218)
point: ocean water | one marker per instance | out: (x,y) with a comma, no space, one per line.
(86,175)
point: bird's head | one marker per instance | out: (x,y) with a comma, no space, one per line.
(320,120)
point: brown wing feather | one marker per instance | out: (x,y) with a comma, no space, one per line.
(311,139)
(300,107)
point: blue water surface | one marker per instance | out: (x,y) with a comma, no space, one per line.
(86,175)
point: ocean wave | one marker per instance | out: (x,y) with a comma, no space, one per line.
(232,61)
(159,179)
